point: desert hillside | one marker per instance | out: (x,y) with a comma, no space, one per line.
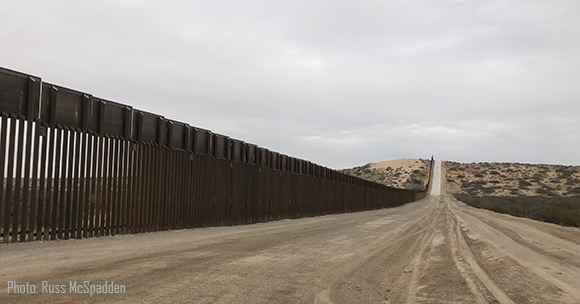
(402,173)
(548,193)
(512,179)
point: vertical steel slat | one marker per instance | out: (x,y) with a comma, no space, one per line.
(10,181)
(3,200)
(112,187)
(104,193)
(82,186)
(115,189)
(18,208)
(169,191)
(93,197)
(165,183)
(134,188)
(162,178)
(148,176)
(94,183)
(48,183)
(123,189)
(174,202)
(178,189)
(109,188)
(143,178)
(119,183)
(69,185)
(137,186)
(25,205)
(99,186)
(74,181)
(190,190)
(183,164)
(169,184)
(89,177)
(55,205)
(139,189)
(66,164)
(128,186)
(116,196)
(42,215)
(129,189)
(124,186)
(32,218)
(157,175)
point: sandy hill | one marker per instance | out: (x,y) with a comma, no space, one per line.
(401,173)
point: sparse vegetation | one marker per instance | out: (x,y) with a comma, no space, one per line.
(558,210)
(412,176)
(548,193)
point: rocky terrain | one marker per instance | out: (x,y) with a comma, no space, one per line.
(403,174)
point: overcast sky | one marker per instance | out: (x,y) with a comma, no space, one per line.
(340,83)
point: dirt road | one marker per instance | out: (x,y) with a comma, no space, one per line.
(436,250)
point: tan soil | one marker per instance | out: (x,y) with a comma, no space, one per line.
(437,250)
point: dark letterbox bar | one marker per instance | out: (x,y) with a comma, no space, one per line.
(19,94)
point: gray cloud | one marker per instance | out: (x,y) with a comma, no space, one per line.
(336,82)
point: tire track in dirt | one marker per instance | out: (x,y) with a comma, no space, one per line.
(466,261)
(525,274)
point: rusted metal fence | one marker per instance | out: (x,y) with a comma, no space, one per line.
(75,166)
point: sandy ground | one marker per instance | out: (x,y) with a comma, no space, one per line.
(437,250)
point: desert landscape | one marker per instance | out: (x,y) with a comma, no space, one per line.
(512,179)
(436,250)
(408,174)
(544,192)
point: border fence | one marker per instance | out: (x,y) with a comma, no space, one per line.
(73,165)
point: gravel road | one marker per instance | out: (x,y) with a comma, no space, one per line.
(436,250)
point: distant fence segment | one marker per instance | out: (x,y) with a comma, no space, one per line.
(75,166)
